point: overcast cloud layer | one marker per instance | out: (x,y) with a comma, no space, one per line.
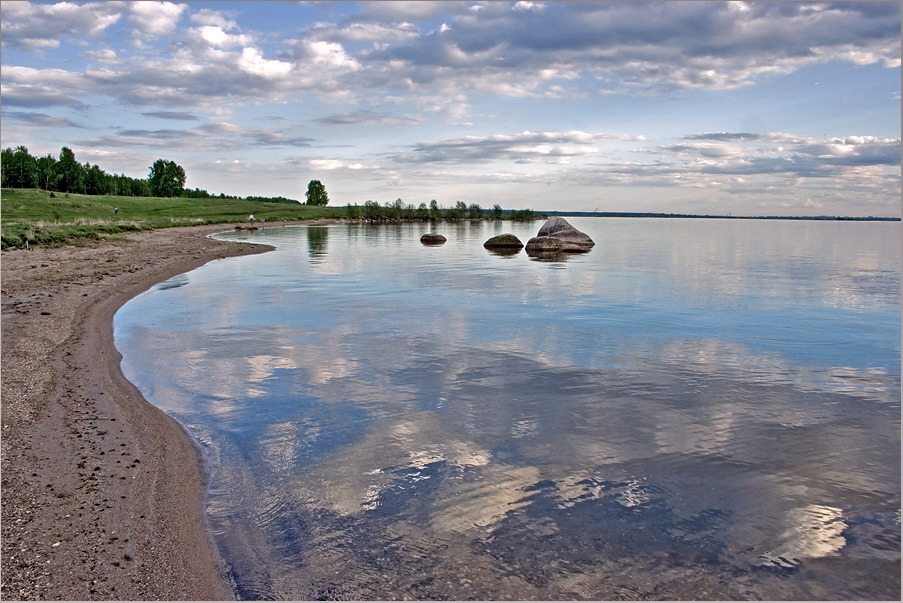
(706,107)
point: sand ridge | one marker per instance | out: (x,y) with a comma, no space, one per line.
(101,492)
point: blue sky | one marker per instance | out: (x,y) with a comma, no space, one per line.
(756,108)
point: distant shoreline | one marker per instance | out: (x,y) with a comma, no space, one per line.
(623,214)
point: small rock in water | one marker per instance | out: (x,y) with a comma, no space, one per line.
(503,241)
(432,238)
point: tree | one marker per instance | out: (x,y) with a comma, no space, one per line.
(371,209)
(457,212)
(395,209)
(70,175)
(96,180)
(6,158)
(47,172)
(120,184)
(166,178)
(316,193)
(354,211)
(139,188)
(497,211)
(20,169)
(199,193)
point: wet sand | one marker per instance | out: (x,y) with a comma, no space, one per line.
(101,492)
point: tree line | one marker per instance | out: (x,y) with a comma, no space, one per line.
(165,178)
(66,175)
(399,210)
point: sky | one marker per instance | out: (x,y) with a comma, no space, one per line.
(742,108)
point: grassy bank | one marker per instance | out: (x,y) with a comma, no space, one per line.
(31,217)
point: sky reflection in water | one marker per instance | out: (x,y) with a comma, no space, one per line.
(694,409)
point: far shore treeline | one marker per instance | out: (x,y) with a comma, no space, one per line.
(165,178)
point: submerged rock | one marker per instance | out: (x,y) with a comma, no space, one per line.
(432,238)
(503,241)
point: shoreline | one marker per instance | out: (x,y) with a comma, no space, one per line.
(102,492)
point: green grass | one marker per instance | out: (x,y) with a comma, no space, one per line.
(31,217)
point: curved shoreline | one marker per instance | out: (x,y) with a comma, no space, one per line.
(102,492)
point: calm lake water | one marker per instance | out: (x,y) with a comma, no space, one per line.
(696,409)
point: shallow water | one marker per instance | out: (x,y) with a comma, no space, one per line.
(696,409)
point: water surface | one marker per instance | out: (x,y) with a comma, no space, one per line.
(696,409)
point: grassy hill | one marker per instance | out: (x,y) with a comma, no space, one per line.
(32,217)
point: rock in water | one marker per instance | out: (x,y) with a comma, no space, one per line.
(575,237)
(432,238)
(554,225)
(557,228)
(503,241)
(553,245)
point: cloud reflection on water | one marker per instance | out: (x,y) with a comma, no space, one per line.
(462,415)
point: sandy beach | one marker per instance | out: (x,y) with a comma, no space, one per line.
(101,492)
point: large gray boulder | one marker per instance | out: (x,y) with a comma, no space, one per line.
(553,225)
(569,239)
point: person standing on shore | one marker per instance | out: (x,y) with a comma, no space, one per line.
(251,218)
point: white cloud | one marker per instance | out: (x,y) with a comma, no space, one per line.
(29,87)
(218,135)
(671,45)
(381,33)
(327,164)
(411,10)
(834,171)
(41,119)
(362,117)
(526,147)
(525,5)
(494,51)
(804,156)
(217,36)
(325,54)
(155,18)
(336,164)
(105,55)
(205,16)
(32,26)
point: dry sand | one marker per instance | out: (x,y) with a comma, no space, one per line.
(102,492)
